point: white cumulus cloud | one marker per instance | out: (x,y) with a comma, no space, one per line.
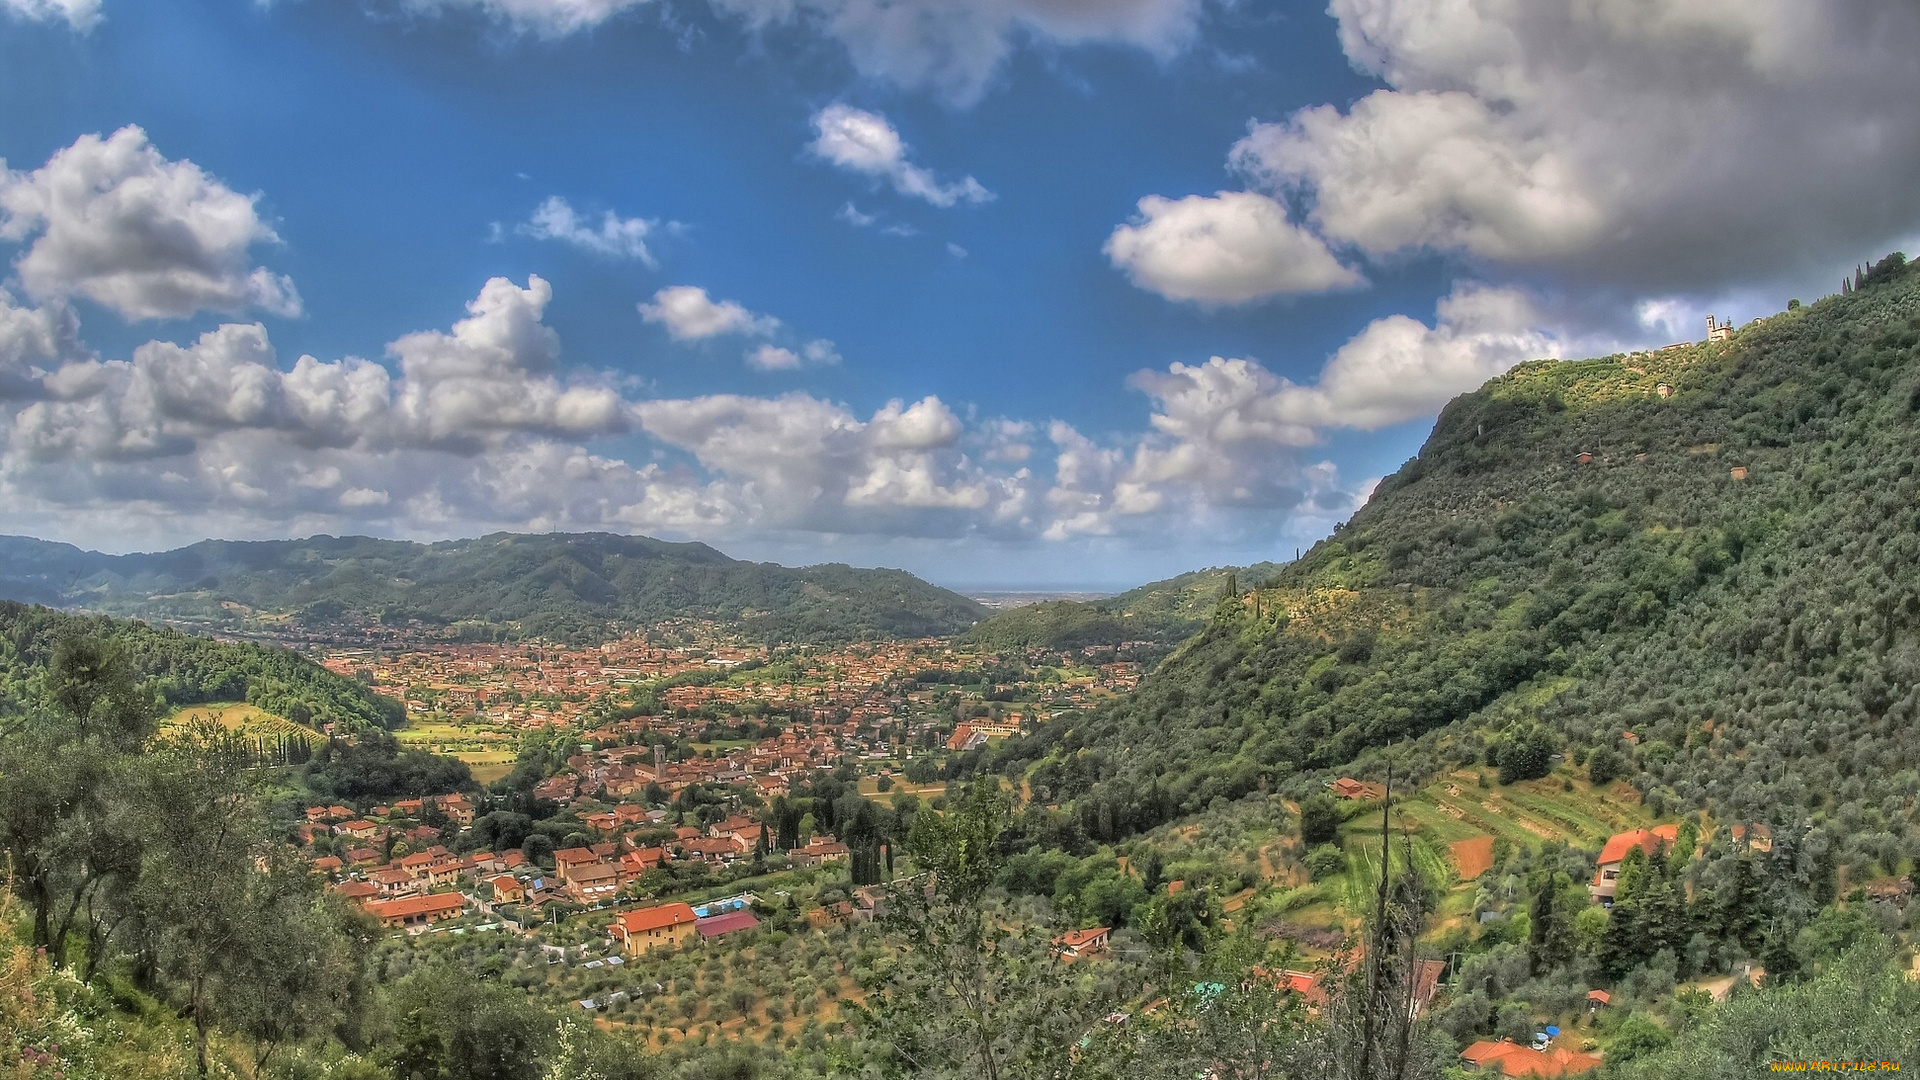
(1227,248)
(770,357)
(689,314)
(114,221)
(615,236)
(79,14)
(865,143)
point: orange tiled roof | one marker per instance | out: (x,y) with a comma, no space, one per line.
(1620,843)
(432,904)
(656,918)
(1513,1059)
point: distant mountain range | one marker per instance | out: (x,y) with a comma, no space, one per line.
(574,587)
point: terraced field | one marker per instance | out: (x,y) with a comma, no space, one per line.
(238,716)
(1453,825)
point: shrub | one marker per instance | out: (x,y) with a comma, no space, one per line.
(1319,820)
(1603,766)
(1325,861)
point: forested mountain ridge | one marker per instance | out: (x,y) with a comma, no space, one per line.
(180,669)
(1709,547)
(560,586)
(1161,612)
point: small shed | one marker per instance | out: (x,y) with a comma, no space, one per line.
(726,924)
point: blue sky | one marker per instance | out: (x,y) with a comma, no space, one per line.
(1008,292)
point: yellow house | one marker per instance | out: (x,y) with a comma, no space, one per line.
(654,927)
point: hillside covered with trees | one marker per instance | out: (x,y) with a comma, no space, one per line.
(1690,569)
(575,587)
(170,669)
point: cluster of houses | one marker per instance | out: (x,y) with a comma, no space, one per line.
(768,766)
(524,685)
(363,842)
(853,700)
(430,884)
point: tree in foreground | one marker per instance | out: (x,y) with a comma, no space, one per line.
(968,992)
(1861,1008)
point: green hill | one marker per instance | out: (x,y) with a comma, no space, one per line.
(1162,613)
(180,669)
(1709,547)
(576,587)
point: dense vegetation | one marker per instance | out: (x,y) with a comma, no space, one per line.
(1160,613)
(180,669)
(574,587)
(1708,547)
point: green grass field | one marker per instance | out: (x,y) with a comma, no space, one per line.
(870,787)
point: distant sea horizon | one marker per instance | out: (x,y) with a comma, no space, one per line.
(1001,599)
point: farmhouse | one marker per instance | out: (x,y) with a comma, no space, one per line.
(1606,878)
(1078,944)
(1349,788)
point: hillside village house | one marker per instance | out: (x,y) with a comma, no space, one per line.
(1077,944)
(507,889)
(593,883)
(821,849)
(417,912)
(567,860)
(1606,879)
(646,929)
(359,830)
(394,882)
